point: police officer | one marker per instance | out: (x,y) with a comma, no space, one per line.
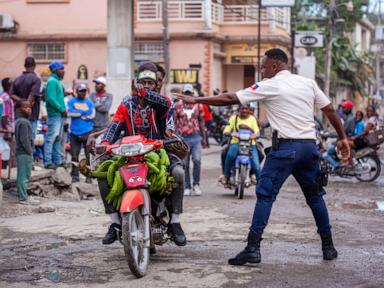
(289,102)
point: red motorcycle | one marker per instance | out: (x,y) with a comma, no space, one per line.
(144,219)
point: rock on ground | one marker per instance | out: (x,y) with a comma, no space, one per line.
(85,190)
(62,178)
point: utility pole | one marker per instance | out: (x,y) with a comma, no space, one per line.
(120,43)
(166,43)
(328,51)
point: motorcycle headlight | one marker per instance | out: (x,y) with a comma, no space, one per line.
(128,149)
(146,148)
(244,137)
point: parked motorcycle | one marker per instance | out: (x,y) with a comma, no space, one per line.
(215,130)
(366,164)
(240,174)
(144,219)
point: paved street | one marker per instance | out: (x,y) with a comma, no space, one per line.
(63,249)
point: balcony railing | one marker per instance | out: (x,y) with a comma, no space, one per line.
(151,10)
(177,10)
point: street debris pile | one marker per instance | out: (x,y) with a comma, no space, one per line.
(60,185)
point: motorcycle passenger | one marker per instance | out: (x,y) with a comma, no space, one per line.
(358,141)
(359,123)
(142,113)
(349,129)
(243,120)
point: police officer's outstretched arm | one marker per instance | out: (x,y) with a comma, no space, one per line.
(223,99)
(343,145)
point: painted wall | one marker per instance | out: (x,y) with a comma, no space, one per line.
(93,54)
(234,77)
(77,16)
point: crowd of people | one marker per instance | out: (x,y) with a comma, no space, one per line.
(70,116)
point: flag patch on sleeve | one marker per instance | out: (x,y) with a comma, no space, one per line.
(255,86)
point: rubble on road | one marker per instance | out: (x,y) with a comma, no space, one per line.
(45,209)
(84,190)
(61,178)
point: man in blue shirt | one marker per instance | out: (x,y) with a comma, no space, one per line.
(82,113)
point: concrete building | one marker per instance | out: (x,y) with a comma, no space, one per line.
(211,42)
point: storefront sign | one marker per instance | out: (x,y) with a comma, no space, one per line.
(277,3)
(243,60)
(246,53)
(309,39)
(82,72)
(184,76)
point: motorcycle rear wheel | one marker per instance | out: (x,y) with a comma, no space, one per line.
(375,171)
(133,237)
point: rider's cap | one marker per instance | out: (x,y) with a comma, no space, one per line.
(101,80)
(188,88)
(147,74)
(347,104)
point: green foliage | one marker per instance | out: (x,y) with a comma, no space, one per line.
(348,68)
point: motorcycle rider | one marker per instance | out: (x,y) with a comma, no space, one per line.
(144,113)
(243,120)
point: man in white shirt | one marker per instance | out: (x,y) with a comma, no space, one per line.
(289,102)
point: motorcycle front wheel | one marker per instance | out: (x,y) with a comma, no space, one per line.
(136,251)
(241,186)
(375,168)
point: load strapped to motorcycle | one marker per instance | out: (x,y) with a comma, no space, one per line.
(137,170)
(375,137)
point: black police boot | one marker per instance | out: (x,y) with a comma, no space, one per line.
(251,253)
(111,235)
(177,234)
(329,252)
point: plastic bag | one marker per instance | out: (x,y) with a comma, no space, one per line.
(5,150)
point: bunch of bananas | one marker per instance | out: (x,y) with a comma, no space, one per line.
(109,170)
(160,181)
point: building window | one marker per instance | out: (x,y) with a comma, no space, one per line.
(46,52)
(149,48)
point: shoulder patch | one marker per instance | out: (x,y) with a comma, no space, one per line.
(255,86)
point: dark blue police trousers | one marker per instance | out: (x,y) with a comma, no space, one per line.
(301,159)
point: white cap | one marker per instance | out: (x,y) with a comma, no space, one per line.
(101,80)
(188,88)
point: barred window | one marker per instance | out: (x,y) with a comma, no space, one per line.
(44,52)
(149,48)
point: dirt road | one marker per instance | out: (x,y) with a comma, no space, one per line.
(63,248)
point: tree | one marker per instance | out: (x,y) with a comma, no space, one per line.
(348,68)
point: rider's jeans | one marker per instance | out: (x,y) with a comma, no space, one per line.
(328,157)
(231,157)
(194,143)
(300,159)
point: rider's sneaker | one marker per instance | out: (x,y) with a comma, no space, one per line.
(196,190)
(223,180)
(111,235)
(177,234)
(187,192)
